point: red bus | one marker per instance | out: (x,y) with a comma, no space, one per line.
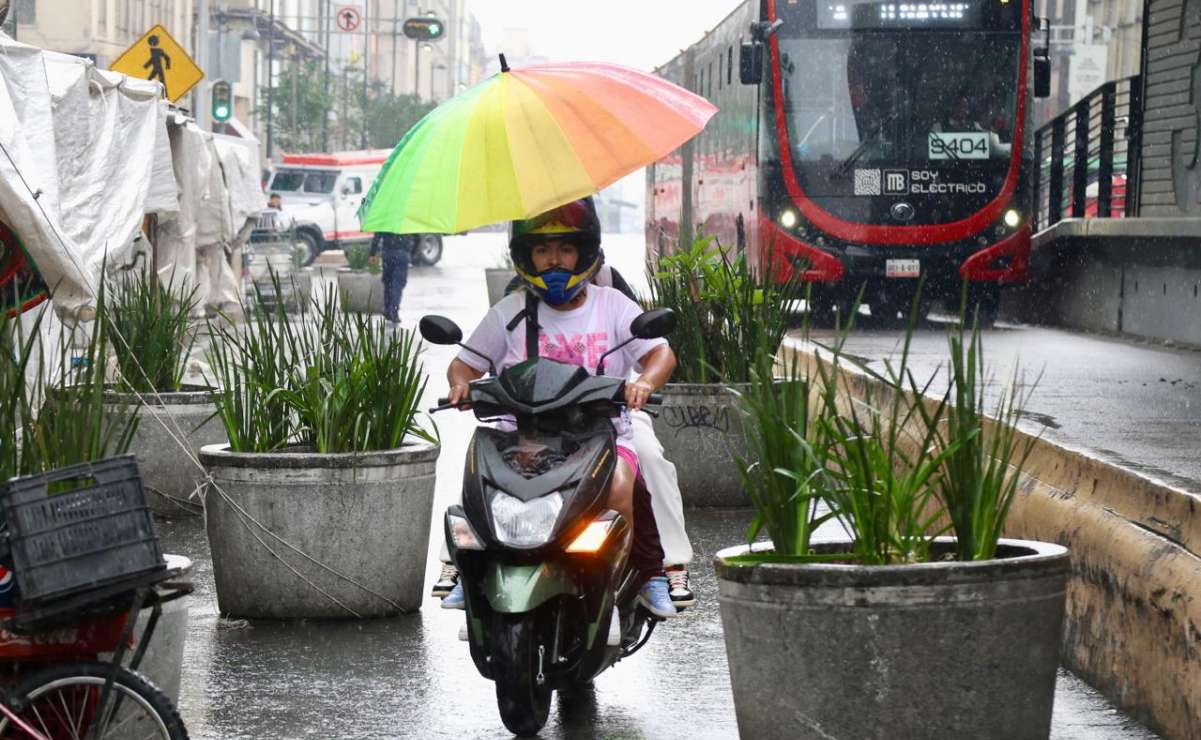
(864,143)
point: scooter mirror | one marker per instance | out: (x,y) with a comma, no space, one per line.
(440,330)
(654,324)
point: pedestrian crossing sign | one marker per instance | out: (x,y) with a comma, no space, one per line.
(157,56)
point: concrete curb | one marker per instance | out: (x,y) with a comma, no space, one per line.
(1132,624)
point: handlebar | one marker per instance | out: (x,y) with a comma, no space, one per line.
(655,399)
(443,404)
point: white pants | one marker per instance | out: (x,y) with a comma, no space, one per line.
(668,505)
(666,502)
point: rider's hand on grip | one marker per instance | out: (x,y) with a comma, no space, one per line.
(637,393)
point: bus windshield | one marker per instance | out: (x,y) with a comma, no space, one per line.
(934,99)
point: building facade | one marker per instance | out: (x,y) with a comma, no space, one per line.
(97,29)
(1092,42)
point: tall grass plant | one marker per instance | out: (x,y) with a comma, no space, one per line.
(893,461)
(726,311)
(155,331)
(52,399)
(332,382)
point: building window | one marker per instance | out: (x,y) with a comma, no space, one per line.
(730,66)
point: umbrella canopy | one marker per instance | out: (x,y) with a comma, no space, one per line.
(527,140)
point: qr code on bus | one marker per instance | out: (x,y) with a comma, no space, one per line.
(867,182)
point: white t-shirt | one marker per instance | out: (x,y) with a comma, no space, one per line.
(577,337)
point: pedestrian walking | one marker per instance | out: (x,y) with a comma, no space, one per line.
(395,251)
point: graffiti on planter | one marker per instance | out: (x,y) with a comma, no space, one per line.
(680,418)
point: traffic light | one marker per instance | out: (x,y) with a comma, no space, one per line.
(424,29)
(223,101)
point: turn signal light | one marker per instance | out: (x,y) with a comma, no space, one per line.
(462,533)
(592,538)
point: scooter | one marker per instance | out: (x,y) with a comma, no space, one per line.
(545,565)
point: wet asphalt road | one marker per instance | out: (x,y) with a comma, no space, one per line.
(410,677)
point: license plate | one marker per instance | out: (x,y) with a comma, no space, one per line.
(903,268)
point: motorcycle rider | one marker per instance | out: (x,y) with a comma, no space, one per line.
(556,254)
(658,472)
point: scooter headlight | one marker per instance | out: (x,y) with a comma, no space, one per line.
(525,524)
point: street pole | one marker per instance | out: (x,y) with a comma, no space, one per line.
(325,116)
(203,119)
(366,66)
(395,49)
(16,13)
(270,82)
(417,69)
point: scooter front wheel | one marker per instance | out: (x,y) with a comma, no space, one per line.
(523,700)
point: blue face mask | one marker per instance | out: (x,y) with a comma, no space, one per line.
(557,292)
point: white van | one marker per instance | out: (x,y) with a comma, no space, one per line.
(322,194)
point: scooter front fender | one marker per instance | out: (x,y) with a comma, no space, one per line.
(513,589)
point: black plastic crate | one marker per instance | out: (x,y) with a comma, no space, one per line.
(96,533)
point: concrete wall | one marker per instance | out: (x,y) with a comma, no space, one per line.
(1134,282)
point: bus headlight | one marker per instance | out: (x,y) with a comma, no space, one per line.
(1012,218)
(788,219)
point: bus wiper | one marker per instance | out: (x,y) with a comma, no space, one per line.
(860,150)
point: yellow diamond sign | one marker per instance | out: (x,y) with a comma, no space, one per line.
(157,56)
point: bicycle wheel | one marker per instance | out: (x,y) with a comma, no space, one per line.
(61,703)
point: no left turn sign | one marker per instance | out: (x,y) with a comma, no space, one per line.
(348,17)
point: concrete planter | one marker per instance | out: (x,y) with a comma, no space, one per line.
(168,475)
(360,291)
(365,516)
(498,278)
(163,662)
(296,288)
(942,649)
(701,432)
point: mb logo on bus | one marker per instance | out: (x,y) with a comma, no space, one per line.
(896,182)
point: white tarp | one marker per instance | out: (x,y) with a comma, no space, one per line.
(82,160)
(220,197)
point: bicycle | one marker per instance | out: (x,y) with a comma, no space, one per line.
(72,694)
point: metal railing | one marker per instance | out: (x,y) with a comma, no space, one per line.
(1087,157)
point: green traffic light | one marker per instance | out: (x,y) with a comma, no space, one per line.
(435,30)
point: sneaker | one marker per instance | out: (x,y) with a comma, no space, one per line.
(455,599)
(446,581)
(614,630)
(655,598)
(680,588)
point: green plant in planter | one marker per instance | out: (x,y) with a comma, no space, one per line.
(976,485)
(336,383)
(53,412)
(785,471)
(358,257)
(154,331)
(726,311)
(882,478)
(892,466)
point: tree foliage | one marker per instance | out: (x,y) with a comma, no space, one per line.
(301,99)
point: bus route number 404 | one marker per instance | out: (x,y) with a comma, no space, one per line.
(959,145)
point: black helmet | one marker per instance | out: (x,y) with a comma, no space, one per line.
(575,222)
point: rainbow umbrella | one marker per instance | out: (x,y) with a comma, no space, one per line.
(527,140)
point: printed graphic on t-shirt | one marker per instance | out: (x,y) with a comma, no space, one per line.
(581,350)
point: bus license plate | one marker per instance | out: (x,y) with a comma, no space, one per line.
(903,268)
